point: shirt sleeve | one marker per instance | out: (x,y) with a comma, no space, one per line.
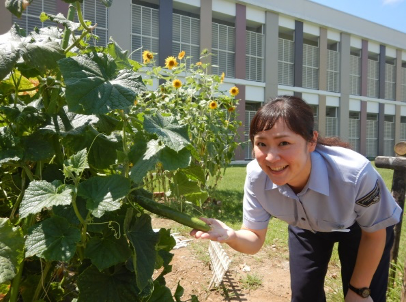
(254,215)
(375,206)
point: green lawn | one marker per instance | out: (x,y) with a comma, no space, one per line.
(230,193)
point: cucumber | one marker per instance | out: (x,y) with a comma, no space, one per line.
(168,212)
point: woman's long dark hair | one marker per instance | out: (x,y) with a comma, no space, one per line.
(296,113)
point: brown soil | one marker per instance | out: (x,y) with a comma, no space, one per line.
(191,267)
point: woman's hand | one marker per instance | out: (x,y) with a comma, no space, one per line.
(219,231)
(354,297)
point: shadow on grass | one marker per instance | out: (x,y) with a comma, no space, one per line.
(231,290)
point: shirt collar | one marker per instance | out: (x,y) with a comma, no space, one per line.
(318,180)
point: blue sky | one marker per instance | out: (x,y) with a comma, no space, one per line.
(391,13)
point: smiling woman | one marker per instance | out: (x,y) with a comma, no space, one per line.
(326,193)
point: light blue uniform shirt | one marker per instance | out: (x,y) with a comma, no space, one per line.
(343,188)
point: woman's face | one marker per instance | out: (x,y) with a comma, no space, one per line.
(284,155)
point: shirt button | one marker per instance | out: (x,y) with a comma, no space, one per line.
(303,218)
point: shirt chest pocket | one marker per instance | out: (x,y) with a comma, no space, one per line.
(334,225)
(284,209)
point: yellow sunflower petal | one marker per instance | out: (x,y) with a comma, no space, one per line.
(181,55)
(234,91)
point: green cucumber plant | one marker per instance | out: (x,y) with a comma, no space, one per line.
(79,133)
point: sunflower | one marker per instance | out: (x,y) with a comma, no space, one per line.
(135,102)
(176,83)
(198,63)
(222,77)
(147,56)
(213,105)
(181,55)
(170,62)
(234,91)
(231,109)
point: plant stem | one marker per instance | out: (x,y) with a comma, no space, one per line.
(15,285)
(67,32)
(80,17)
(82,22)
(75,207)
(125,146)
(41,281)
(21,195)
(76,42)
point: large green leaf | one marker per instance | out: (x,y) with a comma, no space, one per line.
(11,249)
(10,45)
(7,62)
(94,85)
(77,163)
(184,184)
(120,56)
(10,147)
(26,117)
(71,123)
(106,286)
(53,239)
(161,293)
(15,7)
(155,153)
(163,248)
(37,147)
(41,194)
(42,55)
(195,172)
(173,135)
(102,148)
(40,50)
(108,250)
(104,194)
(139,232)
(69,213)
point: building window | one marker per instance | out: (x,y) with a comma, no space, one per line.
(390,76)
(223,49)
(373,76)
(310,65)
(354,130)
(403,82)
(372,135)
(333,68)
(254,61)
(389,135)
(186,37)
(331,121)
(355,72)
(403,128)
(30,17)
(286,60)
(97,12)
(315,109)
(250,110)
(144,32)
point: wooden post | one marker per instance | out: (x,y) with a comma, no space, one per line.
(398,165)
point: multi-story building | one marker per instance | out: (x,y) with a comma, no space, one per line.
(352,71)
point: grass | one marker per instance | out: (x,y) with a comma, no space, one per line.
(230,193)
(251,281)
